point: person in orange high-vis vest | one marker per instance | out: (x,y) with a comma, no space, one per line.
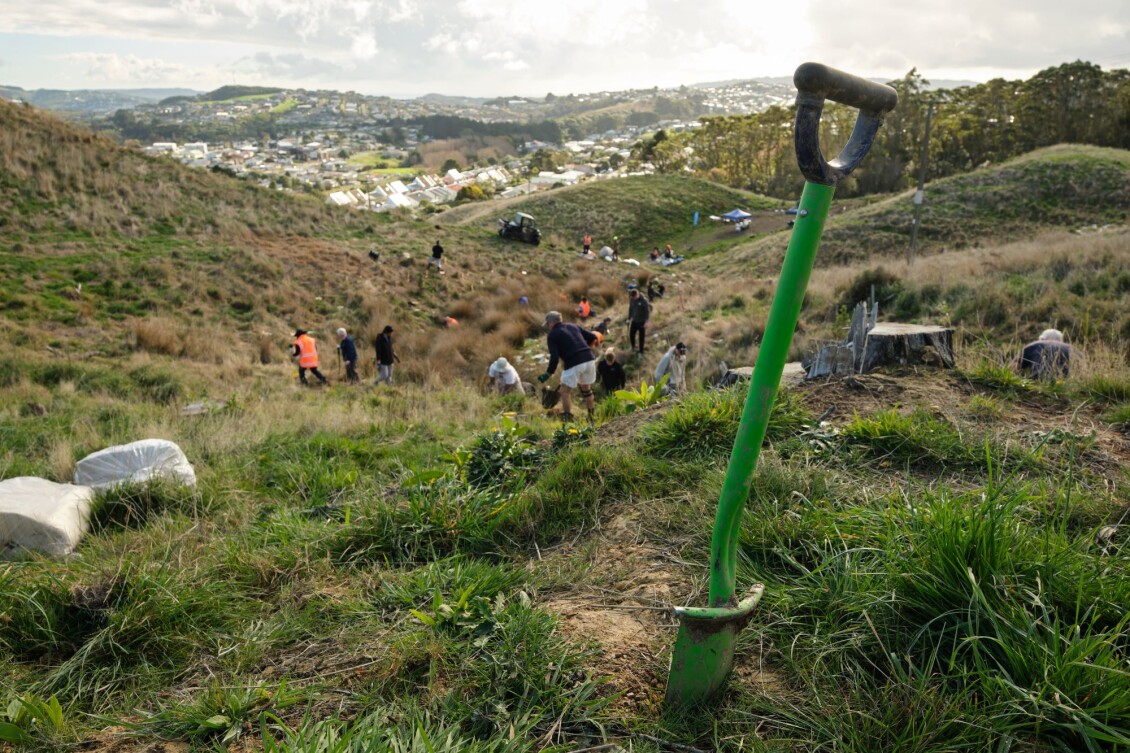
(587,243)
(584,311)
(306,352)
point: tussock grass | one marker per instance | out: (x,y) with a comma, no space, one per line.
(919,438)
(702,426)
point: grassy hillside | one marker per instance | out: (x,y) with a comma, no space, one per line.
(1064,186)
(61,183)
(424,567)
(644,211)
(106,252)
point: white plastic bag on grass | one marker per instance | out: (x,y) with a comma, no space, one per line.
(41,515)
(137,463)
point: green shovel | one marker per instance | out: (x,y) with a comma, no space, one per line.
(704,650)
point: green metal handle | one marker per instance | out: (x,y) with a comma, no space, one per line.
(783,316)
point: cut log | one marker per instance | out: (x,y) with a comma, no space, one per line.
(892,343)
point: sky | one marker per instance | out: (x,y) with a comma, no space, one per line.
(407,48)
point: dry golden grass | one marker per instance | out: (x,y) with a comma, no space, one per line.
(158,336)
(61,460)
(981,264)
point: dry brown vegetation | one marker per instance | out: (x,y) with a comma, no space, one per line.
(464,151)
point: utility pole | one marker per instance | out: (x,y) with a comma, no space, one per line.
(920,194)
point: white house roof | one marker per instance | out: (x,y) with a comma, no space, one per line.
(400,200)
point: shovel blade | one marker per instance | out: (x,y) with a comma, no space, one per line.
(704,651)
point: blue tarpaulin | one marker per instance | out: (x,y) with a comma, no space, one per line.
(736,215)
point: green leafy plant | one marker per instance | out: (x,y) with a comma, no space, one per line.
(646,395)
(31,717)
(500,456)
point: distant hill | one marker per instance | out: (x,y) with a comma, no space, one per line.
(454,101)
(156,95)
(93,101)
(224,93)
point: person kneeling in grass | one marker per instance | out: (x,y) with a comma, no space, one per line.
(572,345)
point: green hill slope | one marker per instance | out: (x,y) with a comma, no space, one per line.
(1064,186)
(61,181)
(644,211)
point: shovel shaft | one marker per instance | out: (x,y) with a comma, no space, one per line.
(783,316)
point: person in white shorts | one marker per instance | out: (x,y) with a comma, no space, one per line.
(572,346)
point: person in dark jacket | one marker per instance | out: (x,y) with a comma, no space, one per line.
(1046,358)
(611,373)
(348,350)
(571,345)
(386,356)
(437,258)
(639,311)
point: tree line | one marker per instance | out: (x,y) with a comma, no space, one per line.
(970,127)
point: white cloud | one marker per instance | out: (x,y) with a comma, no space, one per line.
(364,46)
(533,46)
(113,69)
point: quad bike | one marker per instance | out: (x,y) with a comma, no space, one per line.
(520,228)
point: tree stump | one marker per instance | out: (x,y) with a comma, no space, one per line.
(891,343)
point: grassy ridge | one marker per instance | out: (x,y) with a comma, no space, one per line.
(60,182)
(644,211)
(1058,187)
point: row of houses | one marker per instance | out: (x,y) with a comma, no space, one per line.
(433,189)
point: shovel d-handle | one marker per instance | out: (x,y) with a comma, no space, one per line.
(816,83)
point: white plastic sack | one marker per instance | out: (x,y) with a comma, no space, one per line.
(39,514)
(136,462)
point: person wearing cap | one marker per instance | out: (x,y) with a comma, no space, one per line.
(348,350)
(1046,358)
(639,311)
(674,366)
(386,356)
(611,372)
(602,328)
(572,346)
(306,351)
(504,378)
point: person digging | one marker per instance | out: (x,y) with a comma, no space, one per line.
(572,345)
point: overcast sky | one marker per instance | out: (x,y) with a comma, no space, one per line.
(408,48)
